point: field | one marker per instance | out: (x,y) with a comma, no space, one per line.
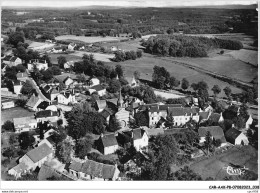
(225,65)
(98,56)
(69,57)
(248,56)
(145,66)
(213,166)
(91,39)
(16,112)
(127,46)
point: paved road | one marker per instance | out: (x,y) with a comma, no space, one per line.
(38,90)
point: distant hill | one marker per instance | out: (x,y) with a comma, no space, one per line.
(101,7)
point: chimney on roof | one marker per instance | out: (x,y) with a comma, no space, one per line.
(233,125)
(51,113)
(101,135)
(132,134)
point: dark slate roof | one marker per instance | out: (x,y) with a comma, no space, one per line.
(18,82)
(106,113)
(8,58)
(232,134)
(46,113)
(43,105)
(138,133)
(214,117)
(203,115)
(39,153)
(215,131)
(13,59)
(109,140)
(98,87)
(114,101)
(179,111)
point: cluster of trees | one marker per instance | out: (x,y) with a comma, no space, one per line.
(121,56)
(179,46)
(162,78)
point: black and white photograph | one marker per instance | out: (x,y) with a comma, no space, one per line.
(131,91)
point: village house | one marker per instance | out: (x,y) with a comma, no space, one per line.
(216,132)
(101,91)
(134,83)
(138,138)
(91,170)
(114,48)
(107,143)
(33,102)
(12,61)
(23,124)
(22,76)
(17,86)
(71,46)
(37,156)
(68,65)
(39,64)
(94,81)
(236,137)
(66,97)
(54,93)
(7,103)
(100,105)
(46,115)
(66,78)
(18,170)
(249,121)
(106,113)
(57,50)
(182,115)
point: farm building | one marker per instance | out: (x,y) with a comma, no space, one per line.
(216,132)
(23,124)
(33,102)
(107,143)
(66,97)
(46,115)
(12,61)
(99,89)
(236,137)
(40,65)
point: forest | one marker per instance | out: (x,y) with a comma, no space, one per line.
(141,20)
(191,46)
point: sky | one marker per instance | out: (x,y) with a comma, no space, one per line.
(124,3)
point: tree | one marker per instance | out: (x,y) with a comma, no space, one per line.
(8,126)
(139,53)
(133,55)
(55,70)
(119,71)
(61,61)
(217,142)
(119,56)
(185,84)
(63,151)
(161,76)
(216,90)
(149,95)
(186,174)
(13,139)
(252,134)
(26,139)
(114,124)
(114,86)
(227,91)
(208,142)
(15,37)
(27,88)
(141,118)
(83,146)
(162,151)
(20,68)
(43,127)
(9,152)
(174,82)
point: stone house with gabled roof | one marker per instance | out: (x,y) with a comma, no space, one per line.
(138,138)
(101,90)
(107,143)
(91,170)
(46,115)
(33,102)
(12,61)
(182,115)
(36,157)
(216,133)
(236,137)
(23,124)
(66,97)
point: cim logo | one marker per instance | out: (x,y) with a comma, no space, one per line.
(235,170)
